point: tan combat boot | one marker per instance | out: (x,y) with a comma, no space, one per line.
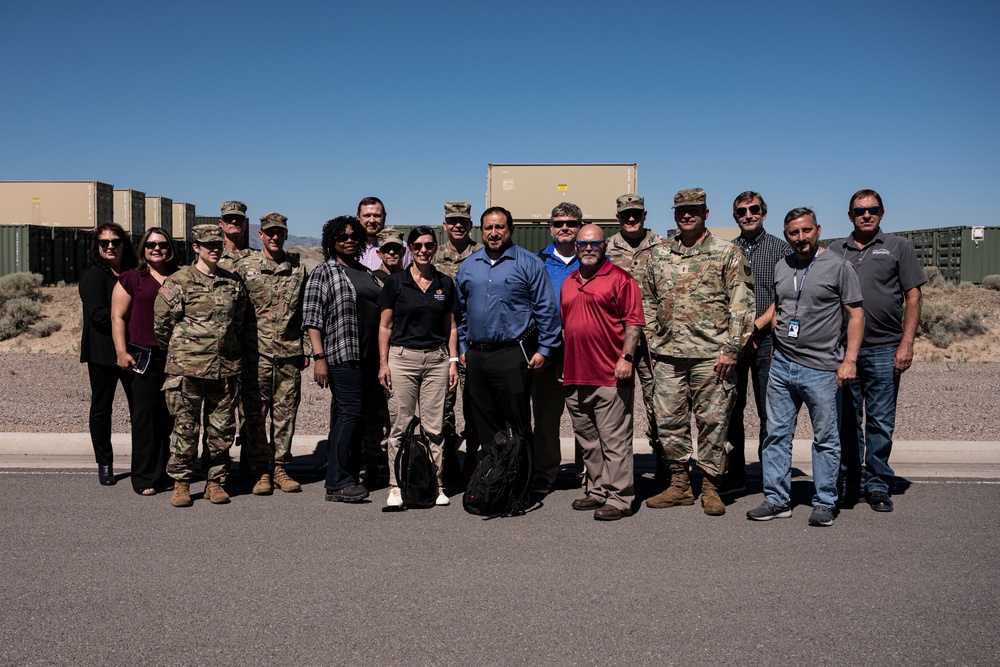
(215,493)
(679,491)
(284,482)
(182,495)
(710,499)
(263,486)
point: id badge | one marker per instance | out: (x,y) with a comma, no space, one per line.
(793,329)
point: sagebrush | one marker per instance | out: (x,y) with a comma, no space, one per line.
(21,306)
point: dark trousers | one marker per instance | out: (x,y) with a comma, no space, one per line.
(343,458)
(498,389)
(151,426)
(751,368)
(103,382)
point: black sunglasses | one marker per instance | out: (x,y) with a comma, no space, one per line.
(109,243)
(234,219)
(211,245)
(572,224)
(872,210)
(417,247)
(742,210)
(343,238)
(153,245)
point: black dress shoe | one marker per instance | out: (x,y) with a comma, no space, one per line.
(106,475)
(880,501)
(587,503)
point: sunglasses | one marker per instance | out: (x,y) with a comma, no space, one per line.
(109,243)
(631,213)
(391,249)
(872,210)
(572,224)
(417,247)
(344,238)
(211,245)
(583,245)
(153,245)
(233,219)
(741,211)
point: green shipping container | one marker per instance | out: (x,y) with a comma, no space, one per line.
(963,254)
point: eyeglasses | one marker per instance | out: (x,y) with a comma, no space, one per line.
(344,238)
(583,245)
(153,245)
(872,210)
(211,246)
(391,249)
(742,210)
(109,243)
(417,247)
(572,224)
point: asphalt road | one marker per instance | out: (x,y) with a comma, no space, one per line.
(100,576)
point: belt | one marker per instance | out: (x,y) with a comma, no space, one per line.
(490,347)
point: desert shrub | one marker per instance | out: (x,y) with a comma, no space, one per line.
(7,329)
(933,274)
(939,325)
(22,284)
(20,303)
(971,324)
(23,311)
(992,281)
(46,327)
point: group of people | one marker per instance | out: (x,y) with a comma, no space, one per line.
(396,328)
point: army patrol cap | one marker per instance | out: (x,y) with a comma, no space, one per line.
(388,236)
(234,208)
(207,234)
(627,202)
(690,197)
(273,220)
(458,209)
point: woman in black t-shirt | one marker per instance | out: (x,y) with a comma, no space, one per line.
(418,351)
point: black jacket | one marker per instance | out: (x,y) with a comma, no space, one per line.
(96,345)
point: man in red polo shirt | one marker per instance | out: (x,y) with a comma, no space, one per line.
(602,322)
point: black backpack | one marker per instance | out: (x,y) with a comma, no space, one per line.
(415,472)
(499,486)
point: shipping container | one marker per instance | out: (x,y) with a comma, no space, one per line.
(184,218)
(56,253)
(130,211)
(963,254)
(530,191)
(159,213)
(77,204)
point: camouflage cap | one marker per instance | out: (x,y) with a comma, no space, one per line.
(273,220)
(690,197)
(626,202)
(207,234)
(234,208)
(388,236)
(457,209)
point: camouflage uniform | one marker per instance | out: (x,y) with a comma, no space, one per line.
(702,303)
(273,352)
(197,318)
(447,260)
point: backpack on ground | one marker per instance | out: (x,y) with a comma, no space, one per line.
(415,472)
(499,486)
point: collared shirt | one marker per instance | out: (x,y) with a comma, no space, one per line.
(557,269)
(371,259)
(418,317)
(275,292)
(624,255)
(701,299)
(447,259)
(330,305)
(887,268)
(501,300)
(763,253)
(594,315)
(227,261)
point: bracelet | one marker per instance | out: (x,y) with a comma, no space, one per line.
(453,360)
(319,356)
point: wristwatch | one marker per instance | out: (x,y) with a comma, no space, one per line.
(627,357)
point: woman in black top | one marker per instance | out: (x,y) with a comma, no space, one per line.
(418,351)
(110,254)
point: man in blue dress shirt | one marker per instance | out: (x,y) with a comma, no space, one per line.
(509,327)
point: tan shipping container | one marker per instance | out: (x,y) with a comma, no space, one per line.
(130,211)
(530,191)
(159,213)
(183,221)
(77,204)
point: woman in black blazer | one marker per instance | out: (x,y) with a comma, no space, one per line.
(110,254)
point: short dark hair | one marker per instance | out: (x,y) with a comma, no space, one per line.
(128,252)
(566,209)
(865,193)
(748,197)
(417,232)
(370,201)
(337,226)
(498,209)
(797,213)
(142,267)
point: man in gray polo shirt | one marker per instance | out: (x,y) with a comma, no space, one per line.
(814,292)
(890,275)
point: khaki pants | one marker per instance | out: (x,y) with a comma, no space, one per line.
(419,385)
(602,422)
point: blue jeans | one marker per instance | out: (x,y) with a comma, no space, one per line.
(344,442)
(869,419)
(789,386)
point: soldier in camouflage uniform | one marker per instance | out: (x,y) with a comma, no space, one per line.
(625,251)
(198,314)
(699,290)
(273,354)
(457,246)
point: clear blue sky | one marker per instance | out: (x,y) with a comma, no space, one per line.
(304,107)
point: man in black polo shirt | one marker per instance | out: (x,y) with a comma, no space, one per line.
(890,275)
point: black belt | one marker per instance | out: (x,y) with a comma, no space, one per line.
(491,347)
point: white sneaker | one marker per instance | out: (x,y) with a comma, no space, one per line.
(395,498)
(442,499)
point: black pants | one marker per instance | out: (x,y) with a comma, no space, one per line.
(103,382)
(498,390)
(151,427)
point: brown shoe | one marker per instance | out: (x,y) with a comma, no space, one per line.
(284,482)
(182,495)
(679,491)
(609,513)
(263,486)
(587,503)
(215,493)
(710,499)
